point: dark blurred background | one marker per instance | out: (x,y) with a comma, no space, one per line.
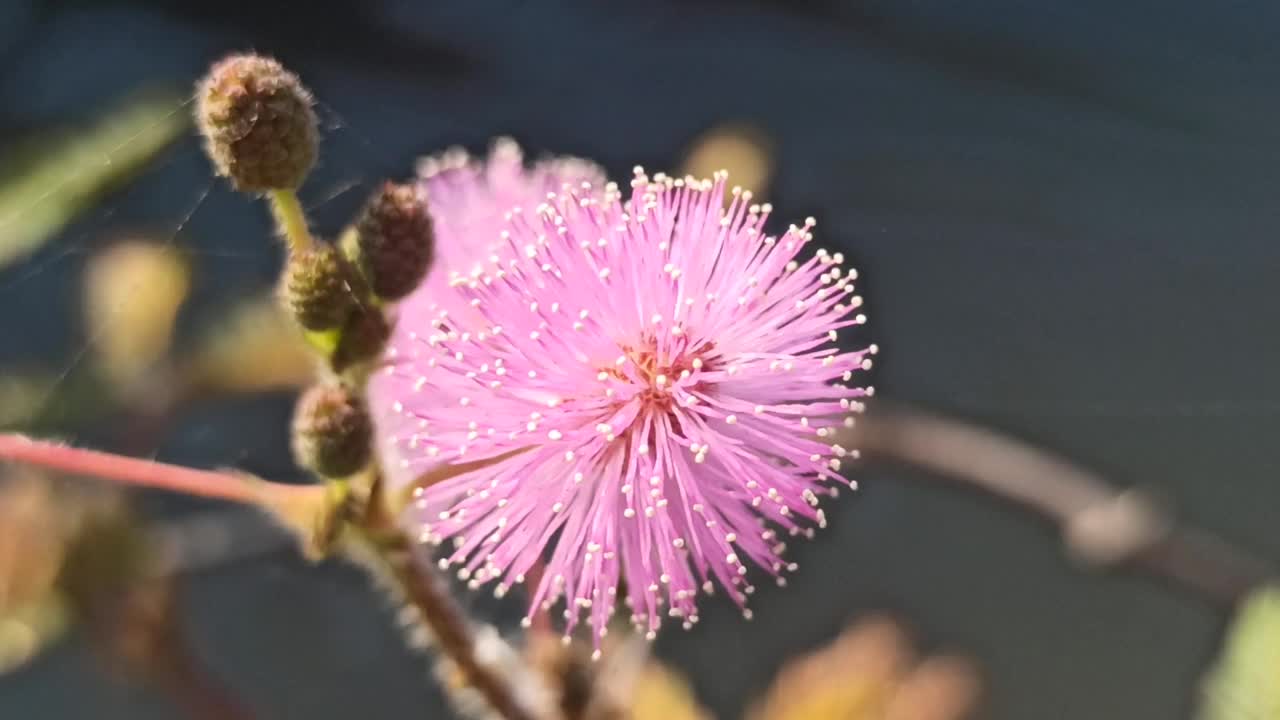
(1064,213)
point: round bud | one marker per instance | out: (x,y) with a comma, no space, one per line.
(259,128)
(363,338)
(332,432)
(394,241)
(316,289)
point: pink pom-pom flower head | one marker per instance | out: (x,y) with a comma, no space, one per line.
(468,200)
(636,395)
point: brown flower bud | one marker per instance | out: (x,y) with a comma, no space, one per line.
(316,289)
(363,338)
(332,431)
(394,241)
(258,124)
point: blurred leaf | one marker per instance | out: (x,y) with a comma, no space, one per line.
(662,694)
(45,183)
(27,631)
(1245,682)
(871,671)
(34,520)
(255,347)
(45,402)
(132,293)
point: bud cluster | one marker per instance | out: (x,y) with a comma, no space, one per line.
(384,256)
(261,134)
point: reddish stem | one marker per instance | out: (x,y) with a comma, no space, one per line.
(127,470)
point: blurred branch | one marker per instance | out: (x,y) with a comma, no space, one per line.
(201,697)
(73,554)
(126,470)
(1100,525)
(141,628)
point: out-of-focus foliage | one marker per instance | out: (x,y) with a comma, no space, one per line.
(255,347)
(1245,682)
(626,683)
(44,183)
(133,291)
(53,557)
(744,150)
(32,545)
(38,401)
(871,672)
(73,554)
(662,694)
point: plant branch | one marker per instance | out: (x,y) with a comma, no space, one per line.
(129,471)
(313,513)
(482,675)
(201,696)
(1101,525)
(316,515)
(476,657)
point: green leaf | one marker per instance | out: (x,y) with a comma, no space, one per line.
(45,183)
(1244,684)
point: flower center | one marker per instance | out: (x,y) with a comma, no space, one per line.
(658,374)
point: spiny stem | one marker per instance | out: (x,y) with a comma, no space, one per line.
(421,587)
(127,470)
(291,220)
(472,648)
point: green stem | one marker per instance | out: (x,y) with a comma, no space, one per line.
(291,221)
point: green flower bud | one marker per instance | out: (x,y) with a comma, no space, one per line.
(316,288)
(363,338)
(259,128)
(332,431)
(394,241)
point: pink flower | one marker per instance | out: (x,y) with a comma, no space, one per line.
(468,200)
(641,392)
